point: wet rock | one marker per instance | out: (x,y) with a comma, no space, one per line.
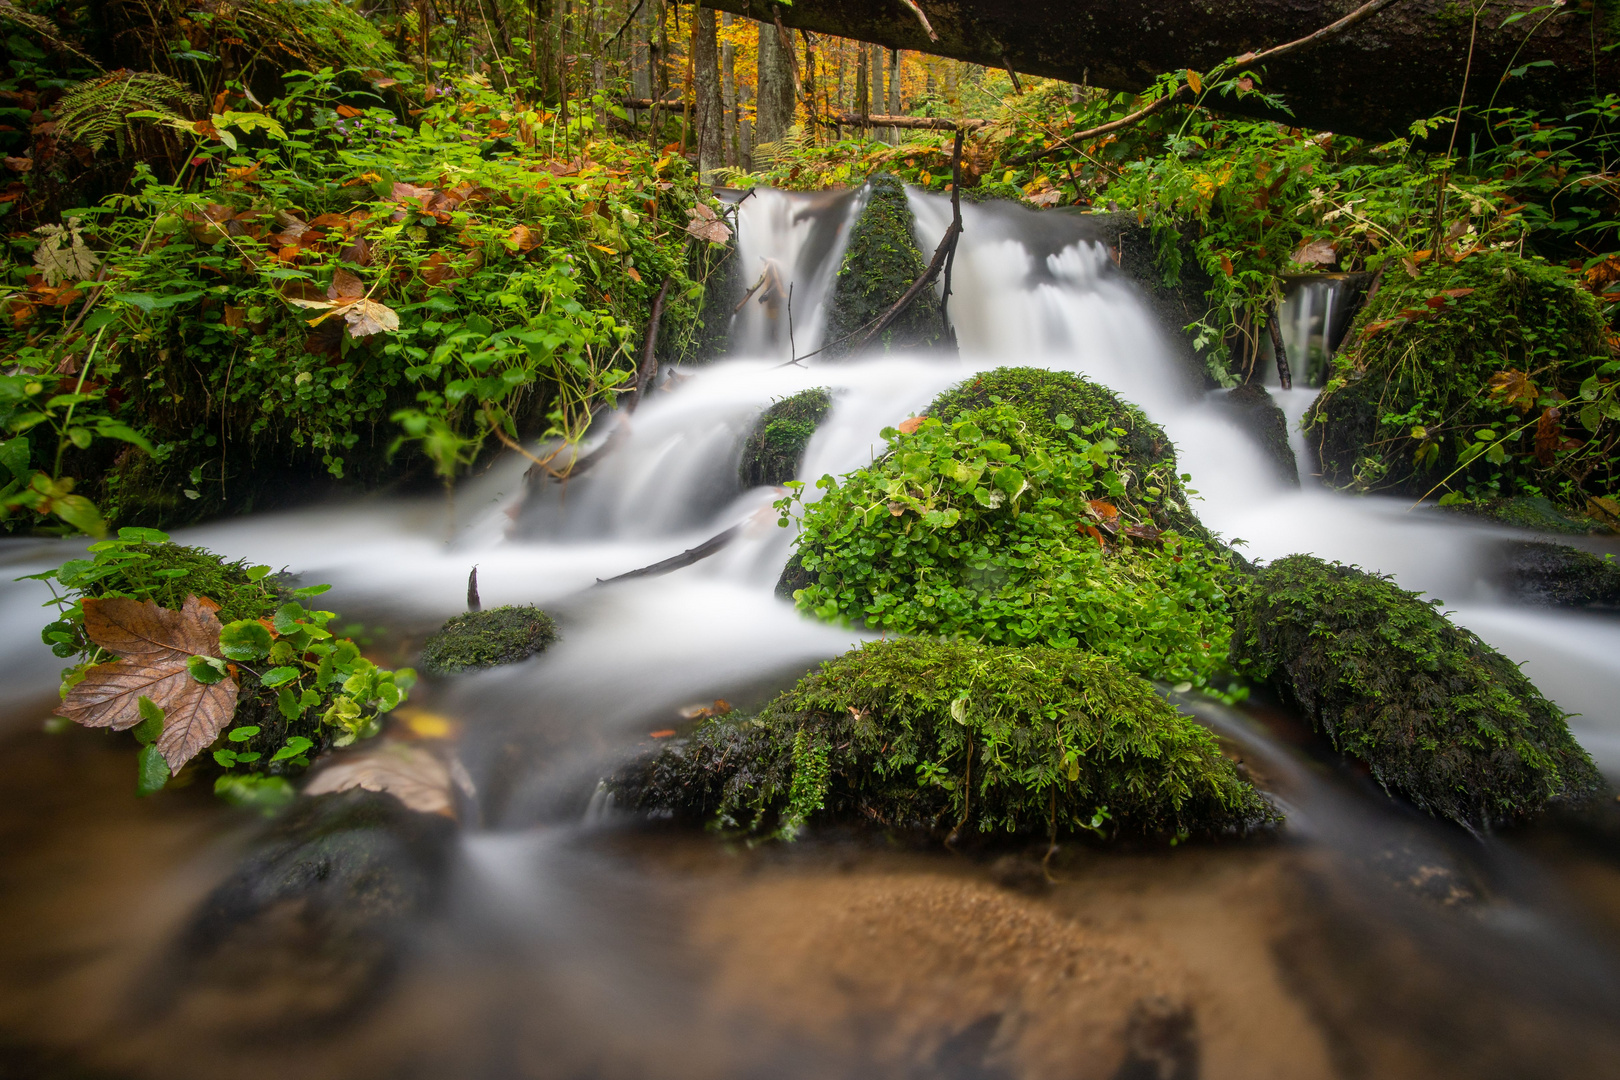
(895,733)
(775,447)
(1161,1042)
(880,263)
(312,925)
(482,639)
(1535,512)
(1437,715)
(1254,410)
(1175,287)
(1556,575)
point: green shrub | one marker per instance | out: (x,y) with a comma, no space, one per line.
(481,639)
(1438,715)
(950,737)
(1012,527)
(1480,378)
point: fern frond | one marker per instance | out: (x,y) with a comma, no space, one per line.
(95,110)
(795,143)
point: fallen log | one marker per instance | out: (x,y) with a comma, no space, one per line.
(685,558)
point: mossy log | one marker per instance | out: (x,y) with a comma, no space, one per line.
(775,447)
(482,639)
(1437,715)
(951,738)
(880,263)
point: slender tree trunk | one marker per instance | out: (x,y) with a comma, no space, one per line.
(893,100)
(863,104)
(809,84)
(775,103)
(710,107)
(728,94)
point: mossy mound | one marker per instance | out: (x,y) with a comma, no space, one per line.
(166,573)
(1529,512)
(1018,523)
(482,639)
(1466,381)
(1557,575)
(776,446)
(1257,413)
(1040,397)
(1439,716)
(951,737)
(880,264)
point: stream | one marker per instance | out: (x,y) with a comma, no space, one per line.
(1367,940)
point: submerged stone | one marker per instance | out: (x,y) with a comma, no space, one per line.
(482,639)
(775,447)
(1439,716)
(1257,413)
(1556,575)
(949,738)
(881,262)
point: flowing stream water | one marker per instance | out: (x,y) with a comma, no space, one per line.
(1368,941)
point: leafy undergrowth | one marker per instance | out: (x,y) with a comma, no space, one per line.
(323,284)
(950,738)
(1438,715)
(775,447)
(481,639)
(175,643)
(1017,524)
(1487,377)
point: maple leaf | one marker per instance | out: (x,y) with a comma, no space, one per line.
(155,647)
(346,297)
(411,774)
(706,225)
(1316,253)
(1514,388)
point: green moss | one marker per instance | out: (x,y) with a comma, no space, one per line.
(481,639)
(953,737)
(1528,512)
(167,573)
(880,264)
(1439,716)
(1410,403)
(1019,524)
(776,446)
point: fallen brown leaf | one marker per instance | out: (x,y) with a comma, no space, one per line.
(411,774)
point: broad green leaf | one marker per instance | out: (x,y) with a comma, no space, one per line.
(151,771)
(207,670)
(277,676)
(245,639)
(151,725)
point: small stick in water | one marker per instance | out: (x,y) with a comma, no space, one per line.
(1284,376)
(473,603)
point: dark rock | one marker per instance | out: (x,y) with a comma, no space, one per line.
(1161,1042)
(312,925)
(880,263)
(1436,714)
(1253,409)
(775,447)
(1556,575)
(1534,512)
(1175,286)
(481,639)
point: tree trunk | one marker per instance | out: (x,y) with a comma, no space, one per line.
(892,102)
(863,103)
(1402,64)
(728,95)
(775,104)
(706,75)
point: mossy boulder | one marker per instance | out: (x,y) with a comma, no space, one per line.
(775,447)
(1535,512)
(953,738)
(1466,381)
(1557,575)
(1049,516)
(1254,410)
(483,639)
(880,263)
(1437,715)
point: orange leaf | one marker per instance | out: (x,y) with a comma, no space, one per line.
(910,425)
(662,734)
(1514,388)
(348,112)
(1194,81)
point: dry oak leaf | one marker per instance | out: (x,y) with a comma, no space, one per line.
(153,645)
(414,776)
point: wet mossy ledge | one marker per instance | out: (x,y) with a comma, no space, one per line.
(1254,410)
(1437,715)
(484,639)
(1028,507)
(952,739)
(774,449)
(1479,379)
(880,263)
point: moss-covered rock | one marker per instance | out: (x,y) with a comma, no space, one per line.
(1051,516)
(1439,716)
(481,639)
(1254,410)
(880,263)
(1535,512)
(951,737)
(1557,575)
(775,447)
(1461,381)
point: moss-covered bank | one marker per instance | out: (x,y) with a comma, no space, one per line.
(1467,382)
(1439,716)
(950,737)
(776,445)
(880,263)
(1032,507)
(481,639)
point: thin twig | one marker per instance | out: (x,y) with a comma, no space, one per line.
(627,21)
(649,360)
(947,246)
(685,558)
(1284,375)
(922,18)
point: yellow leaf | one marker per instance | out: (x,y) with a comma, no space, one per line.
(1194,81)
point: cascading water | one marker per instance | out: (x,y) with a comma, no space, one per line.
(1028,289)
